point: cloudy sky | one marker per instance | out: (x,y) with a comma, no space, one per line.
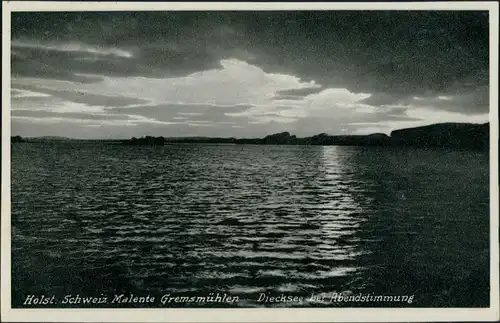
(246,74)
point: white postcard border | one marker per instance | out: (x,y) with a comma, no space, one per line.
(247,315)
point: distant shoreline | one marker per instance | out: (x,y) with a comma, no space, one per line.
(442,135)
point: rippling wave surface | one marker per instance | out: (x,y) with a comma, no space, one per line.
(90,219)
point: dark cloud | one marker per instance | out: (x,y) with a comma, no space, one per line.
(65,115)
(292,94)
(470,102)
(185,112)
(383,98)
(403,52)
(84,97)
(148,62)
(38,101)
(51,69)
(178,62)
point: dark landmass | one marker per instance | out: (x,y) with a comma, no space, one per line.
(51,139)
(16,139)
(39,139)
(441,135)
(449,135)
(54,138)
(148,140)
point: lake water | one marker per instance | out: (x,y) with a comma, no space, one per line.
(94,219)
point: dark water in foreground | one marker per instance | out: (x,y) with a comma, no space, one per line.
(189,220)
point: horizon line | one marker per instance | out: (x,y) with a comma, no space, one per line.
(230,137)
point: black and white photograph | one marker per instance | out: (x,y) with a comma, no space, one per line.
(260,158)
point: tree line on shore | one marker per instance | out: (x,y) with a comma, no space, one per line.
(450,135)
(447,135)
